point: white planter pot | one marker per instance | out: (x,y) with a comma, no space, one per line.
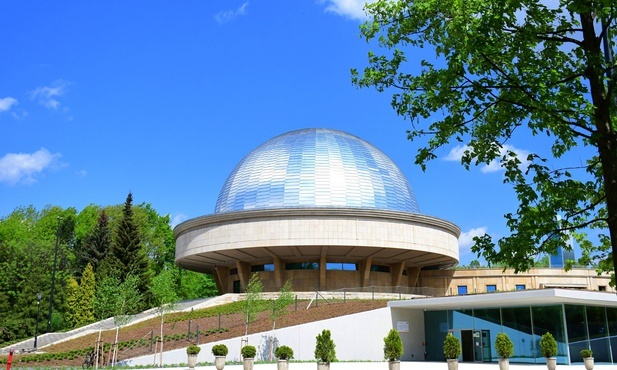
(192,361)
(219,362)
(282,364)
(248,363)
(504,364)
(394,365)
(588,363)
(551,363)
(452,364)
(323,366)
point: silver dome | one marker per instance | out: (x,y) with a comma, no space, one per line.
(316,168)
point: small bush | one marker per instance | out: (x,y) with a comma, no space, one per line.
(284,353)
(219,350)
(248,351)
(192,349)
(451,347)
(504,346)
(393,346)
(586,353)
(548,345)
(324,349)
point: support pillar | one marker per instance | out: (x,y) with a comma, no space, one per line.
(322,272)
(278,272)
(413,275)
(221,277)
(396,270)
(365,271)
(243,273)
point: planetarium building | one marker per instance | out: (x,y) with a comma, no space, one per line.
(323,208)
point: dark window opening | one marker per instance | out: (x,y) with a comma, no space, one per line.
(302,266)
(491,288)
(264,267)
(342,266)
(380,268)
(462,289)
(233,271)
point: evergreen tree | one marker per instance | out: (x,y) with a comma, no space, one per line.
(98,242)
(71,311)
(87,288)
(127,252)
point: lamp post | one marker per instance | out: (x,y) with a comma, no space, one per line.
(53,277)
(38,314)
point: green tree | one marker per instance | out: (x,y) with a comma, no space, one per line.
(97,243)
(280,308)
(163,291)
(128,255)
(252,296)
(87,289)
(483,73)
(72,308)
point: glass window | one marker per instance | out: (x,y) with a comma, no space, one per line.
(520,287)
(488,321)
(302,266)
(550,319)
(602,288)
(516,322)
(380,268)
(611,316)
(233,271)
(491,288)
(436,329)
(598,333)
(344,266)
(265,267)
(577,331)
(462,289)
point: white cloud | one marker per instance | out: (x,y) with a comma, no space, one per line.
(229,15)
(48,95)
(81,174)
(6,103)
(457,152)
(24,167)
(465,240)
(180,217)
(353,9)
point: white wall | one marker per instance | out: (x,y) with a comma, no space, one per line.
(357,337)
(413,341)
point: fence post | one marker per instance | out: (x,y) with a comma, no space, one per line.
(219,321)
(373,292)
(399,292)
(316,299)
(151,339)
(197,334)
(188,335)
(344,295)
(296,302)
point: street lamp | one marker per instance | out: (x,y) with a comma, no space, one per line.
(53,277)
(38,313)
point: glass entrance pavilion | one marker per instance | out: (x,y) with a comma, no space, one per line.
(576,319)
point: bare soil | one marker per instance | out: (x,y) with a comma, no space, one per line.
(232,325)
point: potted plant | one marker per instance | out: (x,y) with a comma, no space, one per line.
(505,349)
(548,348)
(393,349)
(192,351)
(324,350)
(587,356)
(248,356)
(219,351)
(451,351)
(283,354)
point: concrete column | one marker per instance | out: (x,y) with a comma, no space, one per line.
(278,272)
(396,271)
(413,275)
(365,271)
(322,272)
(243,273)
(221,277)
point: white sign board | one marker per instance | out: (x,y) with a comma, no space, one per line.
(402,326)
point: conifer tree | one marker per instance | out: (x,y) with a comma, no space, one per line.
(97,243)
(87,289)
(71,312)
(128,254)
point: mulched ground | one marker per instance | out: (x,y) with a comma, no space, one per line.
(233,323)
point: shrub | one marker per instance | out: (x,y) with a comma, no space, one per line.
(192,349)
(586,353)
(451,347)
(548,345)
(219,350)
(393,346)
(324,350)
(248,351)
(504,346)
(284,353)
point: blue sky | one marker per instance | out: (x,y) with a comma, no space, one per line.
(162,98)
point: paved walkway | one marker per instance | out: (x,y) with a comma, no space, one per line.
(404,366)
